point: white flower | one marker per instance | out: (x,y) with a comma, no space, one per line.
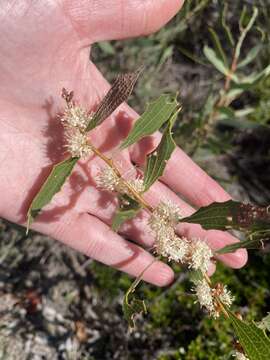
(240,356)
(204,295)
(163,236)
(166,213)
(107,179)
(76,117)
(169,245)
(200,255)
(226,297)
(176,249)
(77,143)
(137,184)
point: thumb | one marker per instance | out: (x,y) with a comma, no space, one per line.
(98,20)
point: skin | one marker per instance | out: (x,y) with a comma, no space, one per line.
(45,47)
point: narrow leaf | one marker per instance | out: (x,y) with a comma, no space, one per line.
(251,55)
(253,340)
(231,215)
(244,33)
(234,92)
(128,209)
(192,57)
(132,305)
(106,47)
(247,81)
(255,240)
(118,93)
(226,28)
(156,161)
(218,47)
(226,113)
(217,62)
(52,185)
(156,114)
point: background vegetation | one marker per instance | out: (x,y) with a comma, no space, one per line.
(64,306)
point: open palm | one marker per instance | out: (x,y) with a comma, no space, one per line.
(45,47)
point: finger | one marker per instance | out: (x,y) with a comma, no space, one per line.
(116,19)
(90,236)
(211,269)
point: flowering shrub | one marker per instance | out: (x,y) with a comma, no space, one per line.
(193,253)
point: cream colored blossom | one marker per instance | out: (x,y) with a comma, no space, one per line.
(240,356)
(204,295)
(77,143)
(107,179)
(226,297)
(137,184)
(166,214)
(177,249)
(76,117)
(200,255)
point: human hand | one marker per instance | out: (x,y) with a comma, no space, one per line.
(45,47)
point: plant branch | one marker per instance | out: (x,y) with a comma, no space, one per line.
(133,192)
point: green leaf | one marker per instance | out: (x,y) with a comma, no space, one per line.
(192,56)
(52,185)
(218,47)
(242,124)
(226,113)
(244,33)
(253,340)
(243,20)
(118,93)
(128,209)
(231,215)
(251,55)
(166,54)
(156,114)
(132,305)
(255,240)
(234,92)
(264,324)
(226,28)
(247,81)
(156,161)
(217,62)
(106,47)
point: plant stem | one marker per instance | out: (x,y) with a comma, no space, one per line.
(133,192)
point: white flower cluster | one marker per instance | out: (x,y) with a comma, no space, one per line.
(196,253)
(226,297)
(162,222)
(77,143)
(200,255)
(136,184)
(240,356)
(76,117)
(165,214)
(107,179)
(75,120)
(207,297)
(204,295)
